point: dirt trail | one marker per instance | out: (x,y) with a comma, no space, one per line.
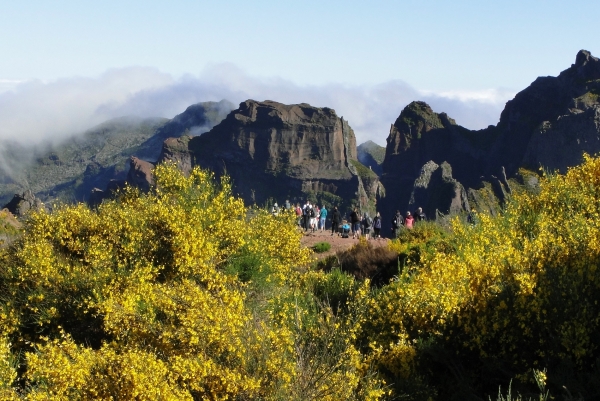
(337,243)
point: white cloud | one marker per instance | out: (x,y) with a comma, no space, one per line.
(8,84)
(35,111)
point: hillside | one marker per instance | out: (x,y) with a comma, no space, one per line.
(68,171)
(371,155)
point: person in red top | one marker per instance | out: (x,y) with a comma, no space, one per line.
(409,221)
(299,215)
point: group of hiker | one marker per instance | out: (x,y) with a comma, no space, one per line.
(400,222)
(312,218)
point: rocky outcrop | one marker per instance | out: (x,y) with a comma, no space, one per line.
(550,124)
(23,203)
(436,191)
(140,173)
(419,142)
(176,150)
(276,151)
(304,142)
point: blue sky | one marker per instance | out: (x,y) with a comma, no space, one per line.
(468,57)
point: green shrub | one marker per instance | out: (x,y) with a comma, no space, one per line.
(321,247)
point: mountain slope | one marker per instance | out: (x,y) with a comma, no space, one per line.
(68,171)
(371,155)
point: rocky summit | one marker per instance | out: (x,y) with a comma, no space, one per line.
(274,152)
(548,125)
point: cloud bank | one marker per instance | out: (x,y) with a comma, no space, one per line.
(35,111)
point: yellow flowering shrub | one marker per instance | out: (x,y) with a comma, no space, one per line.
(8,373)
(510,294)
(181,293)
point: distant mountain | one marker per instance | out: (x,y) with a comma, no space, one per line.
(371,155)
(69,171)
(432,162)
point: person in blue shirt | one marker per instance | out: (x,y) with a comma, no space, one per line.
(323,217)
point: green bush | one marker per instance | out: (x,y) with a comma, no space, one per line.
(321,247)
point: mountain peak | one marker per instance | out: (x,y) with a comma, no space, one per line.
(583,57)
(586,66)
(420,116)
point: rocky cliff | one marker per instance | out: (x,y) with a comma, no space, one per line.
(550,125)
(275,152)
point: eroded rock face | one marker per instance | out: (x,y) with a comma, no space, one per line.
(177,150)
(436,191)
(272,150)
(301,140)
(420,141)
(140,173)
(550,124)
(22,203)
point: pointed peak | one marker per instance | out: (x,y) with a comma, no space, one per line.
(586,66)
(419,105)
(583,57)
(420,114)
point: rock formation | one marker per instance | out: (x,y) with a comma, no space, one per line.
(550,124)
(140,173)
(276,151)
(436,190)
(22,203)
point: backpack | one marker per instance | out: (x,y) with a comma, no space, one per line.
(369,221)
(311,212)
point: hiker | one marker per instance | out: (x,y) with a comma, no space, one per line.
(275,210)
(420,215)
(323,217)
(287,206)
(306,215)
(355,220)
(313,218)
(367,223)
(298,215)
(397,223)
(377,226)
(409,221)
(336,219)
